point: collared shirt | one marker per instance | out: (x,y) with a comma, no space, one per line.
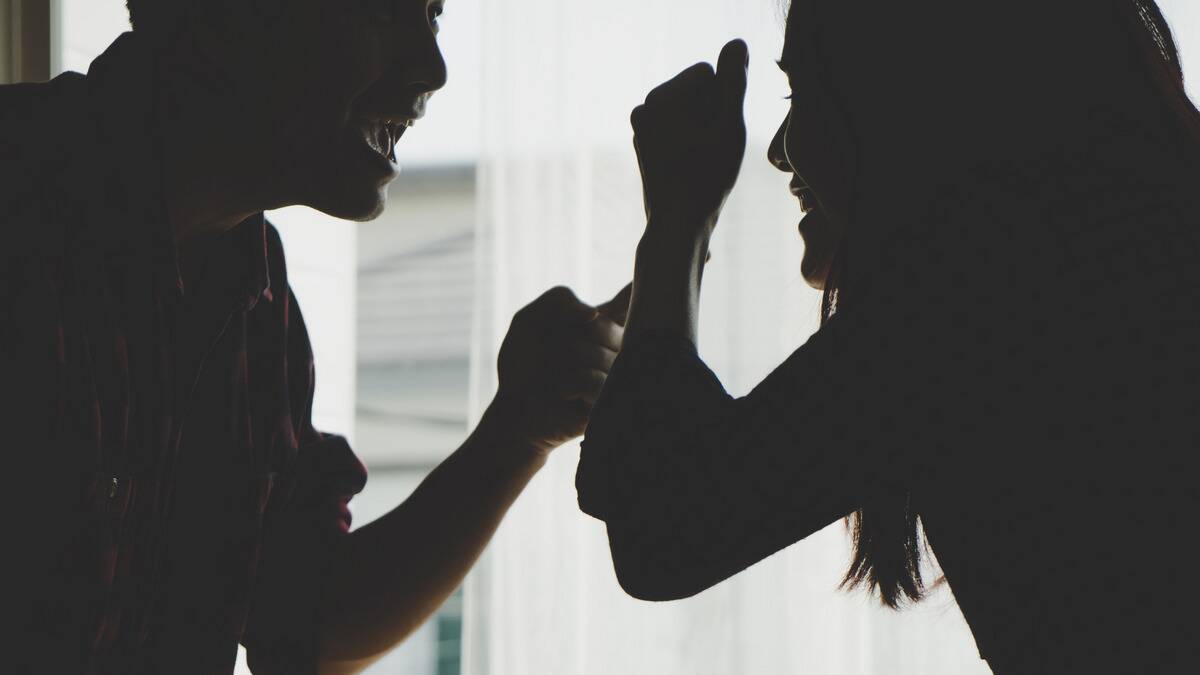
(169,492)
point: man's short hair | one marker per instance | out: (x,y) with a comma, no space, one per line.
(161,17)
(146,15)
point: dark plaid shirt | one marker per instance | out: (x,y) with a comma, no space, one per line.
(167,494)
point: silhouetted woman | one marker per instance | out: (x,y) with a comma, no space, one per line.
(1002,211)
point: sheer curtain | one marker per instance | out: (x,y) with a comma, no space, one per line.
(561,203)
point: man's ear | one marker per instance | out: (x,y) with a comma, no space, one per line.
(226,21)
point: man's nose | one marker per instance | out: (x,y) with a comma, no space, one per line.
(419,60)
(416,70)
(777,152)
(431,76)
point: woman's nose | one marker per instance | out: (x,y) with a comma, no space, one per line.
(777,152)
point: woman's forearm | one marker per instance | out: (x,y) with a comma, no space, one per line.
(394,573)
(666,282)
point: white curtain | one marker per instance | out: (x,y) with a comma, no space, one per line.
(561,203)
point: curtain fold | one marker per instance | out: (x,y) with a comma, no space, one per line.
(560,203)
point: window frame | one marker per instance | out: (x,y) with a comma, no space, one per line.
(27,40)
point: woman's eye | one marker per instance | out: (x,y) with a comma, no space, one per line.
(434,14)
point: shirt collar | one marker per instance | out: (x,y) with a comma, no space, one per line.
(126,100)
(248,244)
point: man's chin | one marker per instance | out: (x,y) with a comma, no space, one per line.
(356,205)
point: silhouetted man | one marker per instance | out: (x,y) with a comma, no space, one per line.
(167,495)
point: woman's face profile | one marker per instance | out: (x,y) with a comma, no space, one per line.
(819,232)
(813,145)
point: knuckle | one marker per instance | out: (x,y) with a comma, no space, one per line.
(522,315)
(564,294)
(557,292)
(550,302)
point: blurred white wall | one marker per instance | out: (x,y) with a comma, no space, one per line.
(1184,17)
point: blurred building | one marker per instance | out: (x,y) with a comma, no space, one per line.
(416,287)
(415,299)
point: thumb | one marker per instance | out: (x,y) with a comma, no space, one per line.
(617,308)
(731,73)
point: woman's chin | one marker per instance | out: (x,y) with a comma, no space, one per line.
(816,263)
(819,250)
(815,274)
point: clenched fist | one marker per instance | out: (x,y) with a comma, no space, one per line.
(553,362)
(690,137)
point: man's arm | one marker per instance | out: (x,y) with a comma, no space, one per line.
(391,575)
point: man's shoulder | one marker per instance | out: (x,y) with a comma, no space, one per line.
(40,141)
(40,123)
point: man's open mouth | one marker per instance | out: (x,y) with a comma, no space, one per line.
(383,135)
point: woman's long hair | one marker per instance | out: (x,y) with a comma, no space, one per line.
(886,534)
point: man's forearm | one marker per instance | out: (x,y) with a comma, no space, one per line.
(392,574)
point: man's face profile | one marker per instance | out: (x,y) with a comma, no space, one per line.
(329,87)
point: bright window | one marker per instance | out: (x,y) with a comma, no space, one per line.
(520,178)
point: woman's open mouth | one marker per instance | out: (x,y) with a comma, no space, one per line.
(804,194)
(799,187)
(807,202)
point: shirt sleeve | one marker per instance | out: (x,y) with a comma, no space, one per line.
(306,520)
(696,485)
(297,553)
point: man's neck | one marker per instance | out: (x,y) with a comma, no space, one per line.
(217,169)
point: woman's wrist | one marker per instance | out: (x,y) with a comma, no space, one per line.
(678,233)
(667,274)
(670,255)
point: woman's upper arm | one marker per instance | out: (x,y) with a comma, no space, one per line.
(696,485)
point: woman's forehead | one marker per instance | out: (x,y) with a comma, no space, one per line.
(799,30)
